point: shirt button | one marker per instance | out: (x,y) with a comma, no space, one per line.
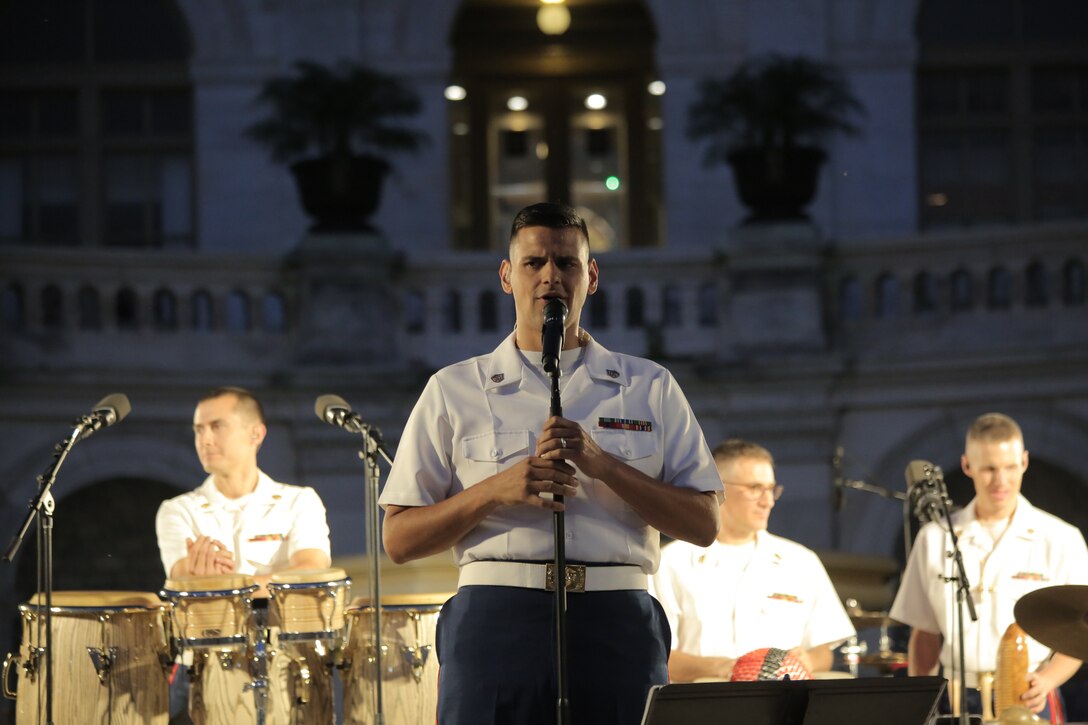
(626,451)
(496,452)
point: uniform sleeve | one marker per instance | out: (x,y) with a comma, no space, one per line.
(422,470)
(1074,560)
(912,605)
(172,527)
(829,624)
(665,587)
(310,529)
(688,462)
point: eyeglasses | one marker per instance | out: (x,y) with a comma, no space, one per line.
(755,491)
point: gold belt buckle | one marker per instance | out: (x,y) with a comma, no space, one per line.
(574,577)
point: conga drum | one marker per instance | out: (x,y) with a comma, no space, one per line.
(409,663)
(212,624)
(306,618)
(110,665)
(210,611)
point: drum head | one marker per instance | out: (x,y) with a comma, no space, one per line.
(405,600)
(221,583)
(98,600)
(309,576)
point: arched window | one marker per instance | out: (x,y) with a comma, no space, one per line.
(239,314)
(849,299)
(274,312)
(635,307)
(489,311)
(127,310)
(202,311)
(999,294)
(708,305)
(887,296)
(14,307)
(90,311)
(1035,287)
(98,149)
(961,291)
(672,307)
(1073,282)
(452,311)
(598,309)
(415,313)
(52,307)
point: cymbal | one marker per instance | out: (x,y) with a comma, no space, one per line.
(1057,617)
(862,619)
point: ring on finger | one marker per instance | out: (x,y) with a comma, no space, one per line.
(563,442)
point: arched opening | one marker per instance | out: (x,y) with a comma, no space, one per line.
(118,515)
(569,117)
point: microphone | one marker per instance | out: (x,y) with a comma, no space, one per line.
(555,320)
(839,498)
(928,495)
(111,409)
(334,410)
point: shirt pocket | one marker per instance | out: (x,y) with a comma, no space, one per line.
(638,449)
(488,453)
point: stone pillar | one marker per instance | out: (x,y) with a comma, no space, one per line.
(775,298)
(348,312)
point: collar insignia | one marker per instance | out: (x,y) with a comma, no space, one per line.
(498,377)
(612,373)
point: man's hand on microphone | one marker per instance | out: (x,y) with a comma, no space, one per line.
(526,480)
(565,439)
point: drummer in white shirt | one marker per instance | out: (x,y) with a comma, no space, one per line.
(239,521)
(749,589)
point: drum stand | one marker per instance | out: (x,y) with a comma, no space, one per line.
(44,505)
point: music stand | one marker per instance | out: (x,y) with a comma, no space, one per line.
(864,701)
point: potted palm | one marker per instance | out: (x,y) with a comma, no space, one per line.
(768,121)
(335,125)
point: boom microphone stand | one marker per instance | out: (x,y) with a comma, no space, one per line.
(334,410)
(108,411)
(929,496)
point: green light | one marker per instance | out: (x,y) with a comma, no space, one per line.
(612,183)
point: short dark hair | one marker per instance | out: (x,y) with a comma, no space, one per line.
(994,428)
(246,400)
(734,448)
(553,216)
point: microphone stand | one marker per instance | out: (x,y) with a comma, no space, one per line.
(372,446)
(963,594)
(43,507)
(562,705)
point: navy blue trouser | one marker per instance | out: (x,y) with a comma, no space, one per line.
(496,650)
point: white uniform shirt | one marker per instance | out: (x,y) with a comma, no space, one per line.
(1037,550)
(483,415)
(777,595)
(263,529)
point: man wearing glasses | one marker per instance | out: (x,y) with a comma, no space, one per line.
(750,589)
